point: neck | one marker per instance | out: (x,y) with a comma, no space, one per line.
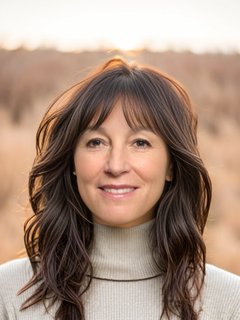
(123,254)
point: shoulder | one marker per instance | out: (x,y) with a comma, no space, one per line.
(17,263)
(13,266)
(13,276)
(217,277)
(15,273)
(222,292)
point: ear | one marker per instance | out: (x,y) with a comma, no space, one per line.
(169,174)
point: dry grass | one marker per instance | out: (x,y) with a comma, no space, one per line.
(30,80)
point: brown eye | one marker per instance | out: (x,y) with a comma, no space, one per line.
(142,143)
(94,143)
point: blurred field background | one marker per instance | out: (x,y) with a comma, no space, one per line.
(30,80)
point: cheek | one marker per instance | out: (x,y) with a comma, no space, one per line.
(153,168)
(87,167)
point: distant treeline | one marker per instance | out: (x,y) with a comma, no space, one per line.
(27,77)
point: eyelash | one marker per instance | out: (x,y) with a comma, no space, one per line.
(142,141)
(91,143)
(139,143)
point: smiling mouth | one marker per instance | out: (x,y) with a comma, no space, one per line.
(117,190)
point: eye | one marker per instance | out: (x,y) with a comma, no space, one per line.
(142,143)
(95,143)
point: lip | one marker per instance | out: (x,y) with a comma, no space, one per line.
(112,191)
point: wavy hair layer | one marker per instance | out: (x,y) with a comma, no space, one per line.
(59,235)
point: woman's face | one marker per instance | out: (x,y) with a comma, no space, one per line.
(121,172)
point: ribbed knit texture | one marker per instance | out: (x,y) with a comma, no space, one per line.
(122,253)
(121,290)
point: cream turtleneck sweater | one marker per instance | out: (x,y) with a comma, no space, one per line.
(126,284)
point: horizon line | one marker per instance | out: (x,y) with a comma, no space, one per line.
(43,47)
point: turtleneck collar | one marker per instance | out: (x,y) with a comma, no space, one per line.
(123,253)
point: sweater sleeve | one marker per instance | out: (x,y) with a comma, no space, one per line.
(222,294)
(3,311)
(236,313)
(13,275)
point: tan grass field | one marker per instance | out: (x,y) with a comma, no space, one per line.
(30,80)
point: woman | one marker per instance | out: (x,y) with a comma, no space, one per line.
(120,199)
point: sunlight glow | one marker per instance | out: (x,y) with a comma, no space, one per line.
(151,24)
(125,43)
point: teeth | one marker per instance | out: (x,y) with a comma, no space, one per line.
(119,191)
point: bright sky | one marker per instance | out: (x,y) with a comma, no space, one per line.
(199,25)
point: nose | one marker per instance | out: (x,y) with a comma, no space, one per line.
(117,162)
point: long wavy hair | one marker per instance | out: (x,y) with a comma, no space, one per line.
(58,237)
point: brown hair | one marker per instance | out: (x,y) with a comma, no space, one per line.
(59,235)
